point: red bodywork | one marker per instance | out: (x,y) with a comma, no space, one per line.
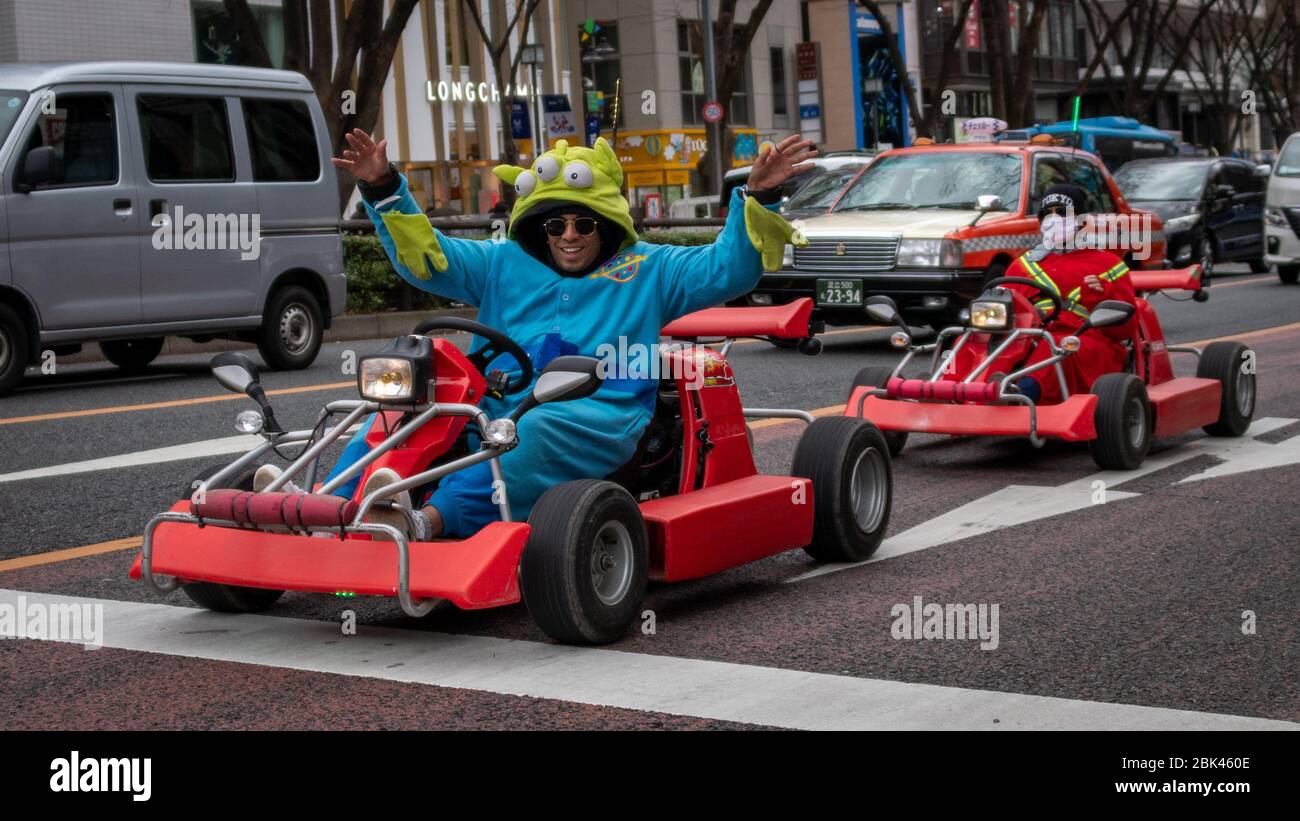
(723,513)
(1178,404)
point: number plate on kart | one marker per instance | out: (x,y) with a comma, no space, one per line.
(839,292)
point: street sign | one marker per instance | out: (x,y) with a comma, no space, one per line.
(713,111)
(810,112)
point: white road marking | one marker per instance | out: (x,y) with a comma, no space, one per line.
(206,448)
(612,678)
(1019,504)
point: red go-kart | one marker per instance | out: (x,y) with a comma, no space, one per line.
(971,388)
(690,503)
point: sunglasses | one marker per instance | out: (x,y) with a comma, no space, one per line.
(586,226)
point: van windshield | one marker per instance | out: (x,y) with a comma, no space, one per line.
(11,103)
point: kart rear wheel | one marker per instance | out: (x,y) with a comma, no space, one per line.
(1123,419)
(583,574)
(877,376)
(1233,365)
(848,462)
(228,598)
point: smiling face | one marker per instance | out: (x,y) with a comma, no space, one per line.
(572,251)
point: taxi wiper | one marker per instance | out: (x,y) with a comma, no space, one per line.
(881,206)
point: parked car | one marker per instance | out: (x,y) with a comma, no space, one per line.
(819,194)
(145,200)
(821,166)
(1212,208)
(929,225)
(1282,212)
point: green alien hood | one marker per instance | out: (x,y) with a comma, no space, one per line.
(589,177)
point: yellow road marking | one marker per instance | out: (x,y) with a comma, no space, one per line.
(1276,329)
(67,554)
(174,403)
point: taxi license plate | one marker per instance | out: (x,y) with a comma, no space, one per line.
(839,292)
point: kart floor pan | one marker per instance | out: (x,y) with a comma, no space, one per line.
(1071,420)
(710,530)
(1185,403)
(474,573)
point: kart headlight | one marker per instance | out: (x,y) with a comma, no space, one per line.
(989,315)
(930,253)
(1181,223)
(1274,216)
(500,431)
(249,421)
(386,379)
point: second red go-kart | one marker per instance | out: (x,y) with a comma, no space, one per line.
(690,503)
(971,386)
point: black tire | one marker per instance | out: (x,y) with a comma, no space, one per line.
(1259,266)
(1123,419)
(1233,365)
(228,598)
(132,355)
(877,376)
(1289,274)
(574,525)
(832,452)
(292,329)
(15,349)
(994,271)
(783,344)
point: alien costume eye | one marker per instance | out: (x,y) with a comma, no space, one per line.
(525,183)
(546,168)
(577,174)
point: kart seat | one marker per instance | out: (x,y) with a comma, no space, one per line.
(943,391)
(292,510)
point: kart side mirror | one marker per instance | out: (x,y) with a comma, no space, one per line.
(1107,313)
(235,371)
(567,378)
(881,309)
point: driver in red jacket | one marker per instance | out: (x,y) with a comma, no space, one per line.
(1080,277)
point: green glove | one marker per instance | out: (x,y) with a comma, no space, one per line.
(769,233)
(416,243)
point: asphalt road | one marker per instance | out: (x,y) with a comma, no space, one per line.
(1126,613)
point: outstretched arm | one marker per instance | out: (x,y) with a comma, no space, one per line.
(752,241)
(424,257)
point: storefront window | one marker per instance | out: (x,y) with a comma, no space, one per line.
(779,105)
(598,46)
(693,85)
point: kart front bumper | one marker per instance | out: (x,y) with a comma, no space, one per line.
(474,573)
(1072,420)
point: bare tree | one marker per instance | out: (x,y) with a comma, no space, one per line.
(1273,55)
(1219,54)
(945,66)
(731,52)
(1148,20)
(505,66)
(367,43)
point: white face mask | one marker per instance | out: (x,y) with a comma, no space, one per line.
(1058,231)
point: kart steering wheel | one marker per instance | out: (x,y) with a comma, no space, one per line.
(1057,305)
(497,344)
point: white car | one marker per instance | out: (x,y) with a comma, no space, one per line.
(1282,213)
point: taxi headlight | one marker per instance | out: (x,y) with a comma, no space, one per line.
(386,379)
(929,253)
(988,315)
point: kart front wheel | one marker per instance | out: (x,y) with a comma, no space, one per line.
(877,376)
(228,598)
(847,460)
(1123,419)
(1233,364)
(583,574)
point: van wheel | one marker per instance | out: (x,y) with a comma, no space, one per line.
(1259,266)
(133,355)
(13,349)
(292,329)
(1288,274)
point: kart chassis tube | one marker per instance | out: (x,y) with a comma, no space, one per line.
(1058,356)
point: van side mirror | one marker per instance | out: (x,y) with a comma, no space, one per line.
(1263,170)
(39,168)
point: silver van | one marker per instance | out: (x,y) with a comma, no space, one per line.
(145,200)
